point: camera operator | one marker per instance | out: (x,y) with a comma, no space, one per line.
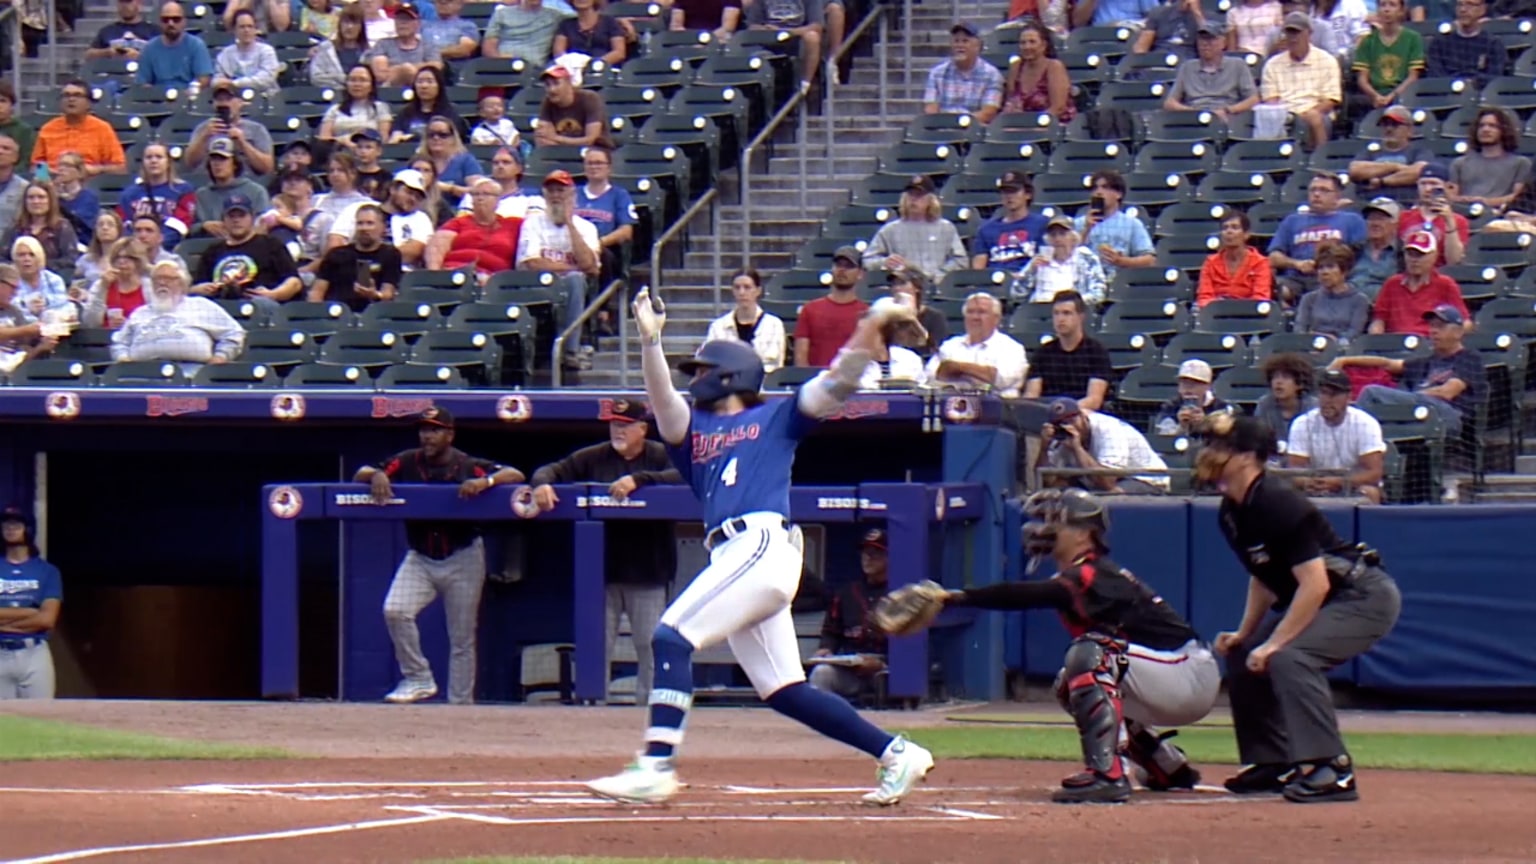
(1075,437)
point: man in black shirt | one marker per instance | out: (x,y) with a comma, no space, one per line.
(365,270)
(446,557)
(640,555)
(1331,603)
(846,629)
(246,265)
(1127,645)
(1073,364)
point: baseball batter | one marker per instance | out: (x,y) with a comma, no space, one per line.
(30,596)
(736,450)
(1314,602)
(446,557)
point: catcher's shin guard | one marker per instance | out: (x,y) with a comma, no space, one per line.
(1165,766)
(1092,670)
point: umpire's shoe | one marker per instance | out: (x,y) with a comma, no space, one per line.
(1268,779)
(1333,780)
(1091,787)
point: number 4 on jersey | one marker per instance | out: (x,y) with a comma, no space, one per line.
(728,476)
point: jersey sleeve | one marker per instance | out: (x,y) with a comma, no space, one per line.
(1051,593)
(477,467)
(796,424)
(394,464)
(53,585)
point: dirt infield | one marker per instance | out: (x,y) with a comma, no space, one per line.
(759,787)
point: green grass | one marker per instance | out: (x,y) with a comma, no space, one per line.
(1472,753)
(26,738)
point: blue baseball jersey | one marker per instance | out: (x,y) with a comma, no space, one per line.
(740,463)
(27,585)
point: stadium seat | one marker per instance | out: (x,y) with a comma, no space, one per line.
(1316,347)
(960,284)
(1151,283)
(1142,390)
(143,373)
(52,372)
(410,319)
(250,315)
(414,376)
(1426,125)
(1220,350)
(520,287)
(663,164)
(1168,127)
(317,319)
(751,74)
(956,130)
(1086,157)
(1241,317)
(856,222)
(1109,41)
(1439,96)
(1153,191)
(789,377)
(696,136)
(1160,319)
(325,375)
(473,353)
(1479,282)
(1279,157)
(1508,250)
(1513,315)
(91,345)
(973,190)
(1064,191)
(281,349)
(665,74)
(1030,321)
(1178,157)
(370,349)
(816,253)
(510,326)
(1399,346)
(1023,128)
(1128,350)
(239,375)
(994,157)
(1236,189)
(934,160)
(726,106)
(1160,66)
(1241,385)
(1190,218)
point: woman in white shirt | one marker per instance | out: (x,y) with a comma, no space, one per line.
(358,107)
(1062,264)
(749,323)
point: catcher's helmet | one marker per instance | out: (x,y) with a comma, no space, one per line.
(1049,509)
(721,368)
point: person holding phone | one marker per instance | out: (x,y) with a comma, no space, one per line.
(1119,238)
(126,36)
(1433,213)
(363,271)
(252,141)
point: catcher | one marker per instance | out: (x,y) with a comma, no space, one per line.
(1133,660)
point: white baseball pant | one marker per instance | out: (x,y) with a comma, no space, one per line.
(1169,688)
(419,579)
(26,673)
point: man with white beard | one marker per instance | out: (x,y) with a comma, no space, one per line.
(173,326)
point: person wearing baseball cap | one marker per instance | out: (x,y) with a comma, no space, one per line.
(1008,240)
(558,241)
(396,59)
(1433,214)
(570,115)
(845,630)
(826,323)
(1386,60)
(245,265)
(1184,413)
(1391,167)
(1077,437)
(1406,296)
(1210,80)
(373,179)
(1303,80)
(1061,264)
(34,593)
(920,238)
(251,141)
(444,557)
(1337,436)
(1380,259)
(964,83)
(1451,380)
(226,172)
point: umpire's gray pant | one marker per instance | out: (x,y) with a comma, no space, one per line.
(418,581)
(643,604)
(1286,716)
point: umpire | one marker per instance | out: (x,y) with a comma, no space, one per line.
(1330,601)
(446,557)
(640,555)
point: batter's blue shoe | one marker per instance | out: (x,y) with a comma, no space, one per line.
(647,780)
(903,767)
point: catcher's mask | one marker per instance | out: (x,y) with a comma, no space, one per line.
(1049,509)
(721,368)
(1228,436)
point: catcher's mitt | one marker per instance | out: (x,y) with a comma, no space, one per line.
(909,608)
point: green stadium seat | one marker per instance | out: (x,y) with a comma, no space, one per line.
(239,375)
(1086,157)
(406,318)
(413,376)
(934,160)
(1151,283)
(1221,350)
(474,354)
(281,349)
(992,158)
(1023,128)
(327,376)
(143,373)
(512,328)
(316,319)
(1245,318)
(956,130)
(1189,158)
(372,349)
(1169,127)
(1316,347)
(53,372)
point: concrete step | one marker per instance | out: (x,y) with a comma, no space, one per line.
(838,167)
(763,261)
(789,181)
(871,144)
(765,225)
(1526,464)
(817,200)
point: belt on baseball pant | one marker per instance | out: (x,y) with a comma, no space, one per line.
(731,527)
(19,644)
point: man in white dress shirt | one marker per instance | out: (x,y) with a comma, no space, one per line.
(981,355)
(1337,435)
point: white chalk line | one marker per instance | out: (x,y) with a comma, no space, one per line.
(437,812)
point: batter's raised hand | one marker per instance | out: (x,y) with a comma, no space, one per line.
(380,489)
(650,316)
(623,487)
(544,497)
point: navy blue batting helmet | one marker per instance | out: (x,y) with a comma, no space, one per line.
(721,368)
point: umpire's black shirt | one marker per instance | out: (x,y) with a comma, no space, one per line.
(1274,529)
(637,552)
(437,539)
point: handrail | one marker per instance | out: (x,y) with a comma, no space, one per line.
(829,115)
(666,237)
(557,354)
(746,162)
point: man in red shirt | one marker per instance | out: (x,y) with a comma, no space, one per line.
(827,322)
(1406,297)
(1433,214)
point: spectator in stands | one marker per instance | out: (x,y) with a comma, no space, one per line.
(912,284)
(1236,270)
(516,201)
(299,155)
(1407,297)
(749,323)
(556,240)
(1491,172)
(1431,10)
(43,221)
(495,127)
(376,21)
(227,175)
(341,174)
(1185,413)
(160,193)
(431,102)
(440,208)
(120,289)
(1433,213)
(78,204)
(1170,28)
(247,63)
(1336,308)
(269,16)
(149,234)
(1110,13)
(1323,34)
(920,238)
(1089,440)
(1211,80)
(373,179)
(982,355)
(610,208)
(1388,60)
(1393,167)
(174,326)
(1250,23)
(1451,381)
(721,17)
(524,30)
(21,334)
(397,59)
(246,265)
(330,62)
(363,271)
(290,215)
(482,237)
(893,361)
(97,257)
(1467,52)
(12,184)
(1074,364)
(802,19)
(1294,247)
(1305,81)
(1290,392)
(1037,81)
(1380,259)
(38,289)
(358,109)
(1062,264)
(319,18)
(76,131)
(177,59)
(1348,19)
(846,630)
(252,141)
(407,226)
(1120,238)
(1009,239)
(455,166)
(570,115)
(12,126)
(963,84)
(593,33)
(454,36)
(826,322)
(125,37)
(1337,436)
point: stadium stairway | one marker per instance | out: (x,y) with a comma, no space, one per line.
(779,224)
